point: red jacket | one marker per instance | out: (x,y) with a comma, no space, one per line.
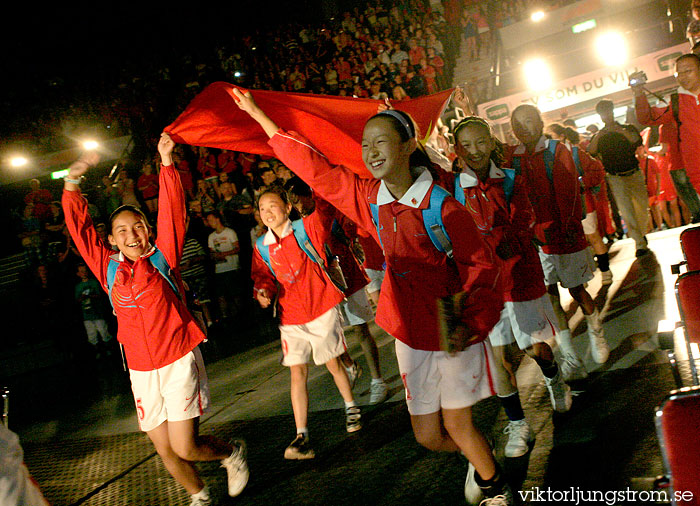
(593,178)
(557,203)
(508,229)
(303,289)
(417,273)
(689,116)
(374,256)
(154,325)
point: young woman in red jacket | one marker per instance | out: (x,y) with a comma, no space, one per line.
(159,335)
(440,386)
(506,221)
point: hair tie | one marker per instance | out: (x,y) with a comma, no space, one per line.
(407,125)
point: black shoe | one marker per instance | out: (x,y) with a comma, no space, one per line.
(641,252)
(299,449)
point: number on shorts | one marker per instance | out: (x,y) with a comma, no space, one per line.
(140,410)
(405,385)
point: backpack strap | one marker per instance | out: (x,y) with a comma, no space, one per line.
(112,266)
(509,183)
(549,156)
(264,251)
(577,159)
(432,220)
(459,192)
(305,243)
(374,208)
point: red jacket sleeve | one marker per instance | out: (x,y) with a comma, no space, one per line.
(84,235)
(171,216)
(341,187)
(522,216)
(262,275)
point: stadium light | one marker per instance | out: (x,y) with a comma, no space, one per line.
(537,74)
(18,161)
(612,48)
(90,145)
(537,16)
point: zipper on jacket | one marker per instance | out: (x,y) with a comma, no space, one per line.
(394,223)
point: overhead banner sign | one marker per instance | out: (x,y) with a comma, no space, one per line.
(588,86)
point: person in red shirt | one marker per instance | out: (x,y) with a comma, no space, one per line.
(441,386)
(356,308)
(147,184)
(592,178)
(563,248)
(159,335)
(507,221)
(306,302)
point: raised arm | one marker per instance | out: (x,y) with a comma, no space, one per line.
(171,205)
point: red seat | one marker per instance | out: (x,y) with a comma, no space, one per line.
(690,244)
(677,422)
(688,297)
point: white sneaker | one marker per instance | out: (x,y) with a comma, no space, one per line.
(519,437)
(571,367)
(472,492)
(378,392)
(201,498)
(497,500)
(607,277)
(559,393)
(599,346)
(236,468)
(354,372)
(196,501)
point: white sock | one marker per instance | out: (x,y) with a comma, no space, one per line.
(563,338)
(377,381)
(350,404)
(594,320)
(202,494)
(304,431)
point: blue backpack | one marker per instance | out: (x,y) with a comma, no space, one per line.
(432,220)
(306,246)
(158,261)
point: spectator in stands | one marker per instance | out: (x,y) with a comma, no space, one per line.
(206,196)
(89,295)
(148,187)
(30,235)
(40,198)
(224,248)
(194,274)
(54,231)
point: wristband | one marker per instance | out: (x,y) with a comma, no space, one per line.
(74,181)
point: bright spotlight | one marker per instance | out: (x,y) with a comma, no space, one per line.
(537,16)
(612,48)
(90,145)
(19,161)
(537,74)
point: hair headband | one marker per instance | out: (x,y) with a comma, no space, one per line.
(407,125)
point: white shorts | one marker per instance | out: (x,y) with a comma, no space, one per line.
(525,322)
(322,337)
(375,280)
(356,309)
(95,327)
(436,379)
(590,223)
(569,269)
(175,392)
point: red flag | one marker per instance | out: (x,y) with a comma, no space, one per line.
(334,125)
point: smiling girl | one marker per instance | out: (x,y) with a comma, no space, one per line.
(159,335)
(440,387)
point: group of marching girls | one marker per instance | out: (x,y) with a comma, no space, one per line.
(491,240)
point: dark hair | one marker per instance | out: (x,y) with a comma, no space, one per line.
(297,187)
(572,135)
(217,214)
(689,56)
(525,107)
(127,207)
(604,105)
(557,128)
(497,155)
